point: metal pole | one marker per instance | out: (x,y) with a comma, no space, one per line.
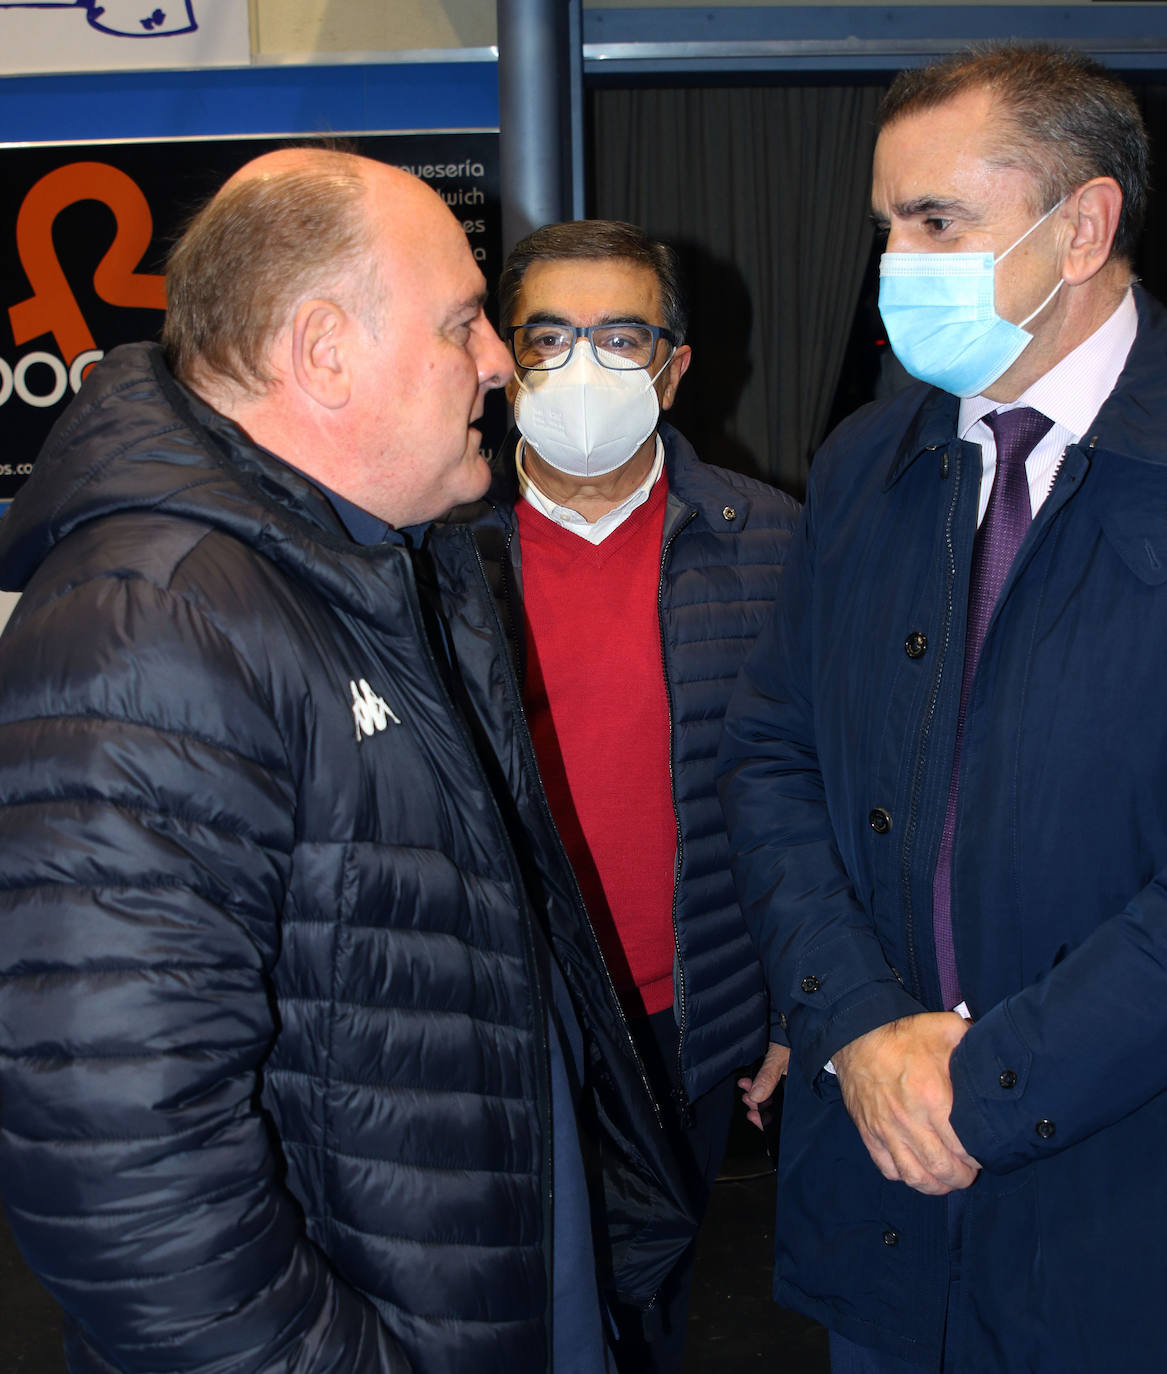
(575,114)
(535,104)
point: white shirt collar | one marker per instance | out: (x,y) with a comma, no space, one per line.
(594,531)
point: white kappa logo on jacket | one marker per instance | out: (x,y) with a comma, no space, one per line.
(370,712)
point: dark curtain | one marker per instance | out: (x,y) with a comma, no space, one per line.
(765,191)
(1150,260)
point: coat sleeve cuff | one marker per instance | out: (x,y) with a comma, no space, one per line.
(992,1113)
(818,1036)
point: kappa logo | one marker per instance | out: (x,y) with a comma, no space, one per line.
(370,712)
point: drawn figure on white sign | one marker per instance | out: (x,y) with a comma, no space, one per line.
(123,18)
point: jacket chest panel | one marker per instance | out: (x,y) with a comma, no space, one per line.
(1064,704)
(382,757)
(889,621)
(1076,628)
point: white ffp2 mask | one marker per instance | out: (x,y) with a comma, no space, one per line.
(584,419)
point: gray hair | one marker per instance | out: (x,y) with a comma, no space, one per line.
(1064,119)
(597,239)
(247,258)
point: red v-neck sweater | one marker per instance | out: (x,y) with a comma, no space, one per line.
(599,716)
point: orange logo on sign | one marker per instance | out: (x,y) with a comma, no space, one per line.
(53,308)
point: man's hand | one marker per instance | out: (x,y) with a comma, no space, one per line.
(759,1089)
(897,1088)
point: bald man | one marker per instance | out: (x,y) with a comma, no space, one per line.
(299,1008)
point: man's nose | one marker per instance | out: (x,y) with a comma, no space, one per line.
(495,365)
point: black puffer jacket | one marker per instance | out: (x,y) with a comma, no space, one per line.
(272,1050)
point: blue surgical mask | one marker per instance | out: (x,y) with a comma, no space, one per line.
(941,318)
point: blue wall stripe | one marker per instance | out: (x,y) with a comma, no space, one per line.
(253,100)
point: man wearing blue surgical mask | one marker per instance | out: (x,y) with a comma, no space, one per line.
(633,578)
(945,764)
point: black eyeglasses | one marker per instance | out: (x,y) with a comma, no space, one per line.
(540,346)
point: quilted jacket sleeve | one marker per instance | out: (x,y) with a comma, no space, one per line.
(147,814)
(827,973)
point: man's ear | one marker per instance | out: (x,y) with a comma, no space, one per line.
(1094,210)
(320,344)
(671,376)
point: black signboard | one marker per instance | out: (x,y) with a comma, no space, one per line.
(88,227)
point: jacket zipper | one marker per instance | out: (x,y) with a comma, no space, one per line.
(684,1106)
(1049,491)
(543,1056)
(926,729)
(512,635)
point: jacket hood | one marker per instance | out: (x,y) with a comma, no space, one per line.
(135,440)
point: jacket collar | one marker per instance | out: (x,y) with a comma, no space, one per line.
(722,505)
(931,425)
(1130,423)
(1126,452)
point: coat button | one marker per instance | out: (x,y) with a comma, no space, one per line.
(1045,1129)
(810,983)
(782,1019)
(1008,1079)
(728,513)
(915,644)
(879,820)
(891,1238)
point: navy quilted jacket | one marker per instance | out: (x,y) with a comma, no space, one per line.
(725,539)
(273,1070)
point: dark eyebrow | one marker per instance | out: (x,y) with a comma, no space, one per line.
(546,317)
(934,205)
(550,317)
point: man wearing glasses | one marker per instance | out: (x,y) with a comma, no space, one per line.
(633,579)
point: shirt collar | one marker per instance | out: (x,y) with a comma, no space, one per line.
(1071,393)
(361,527)
(364,528)
(564,515)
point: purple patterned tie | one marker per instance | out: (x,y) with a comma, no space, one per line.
(1006,519)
